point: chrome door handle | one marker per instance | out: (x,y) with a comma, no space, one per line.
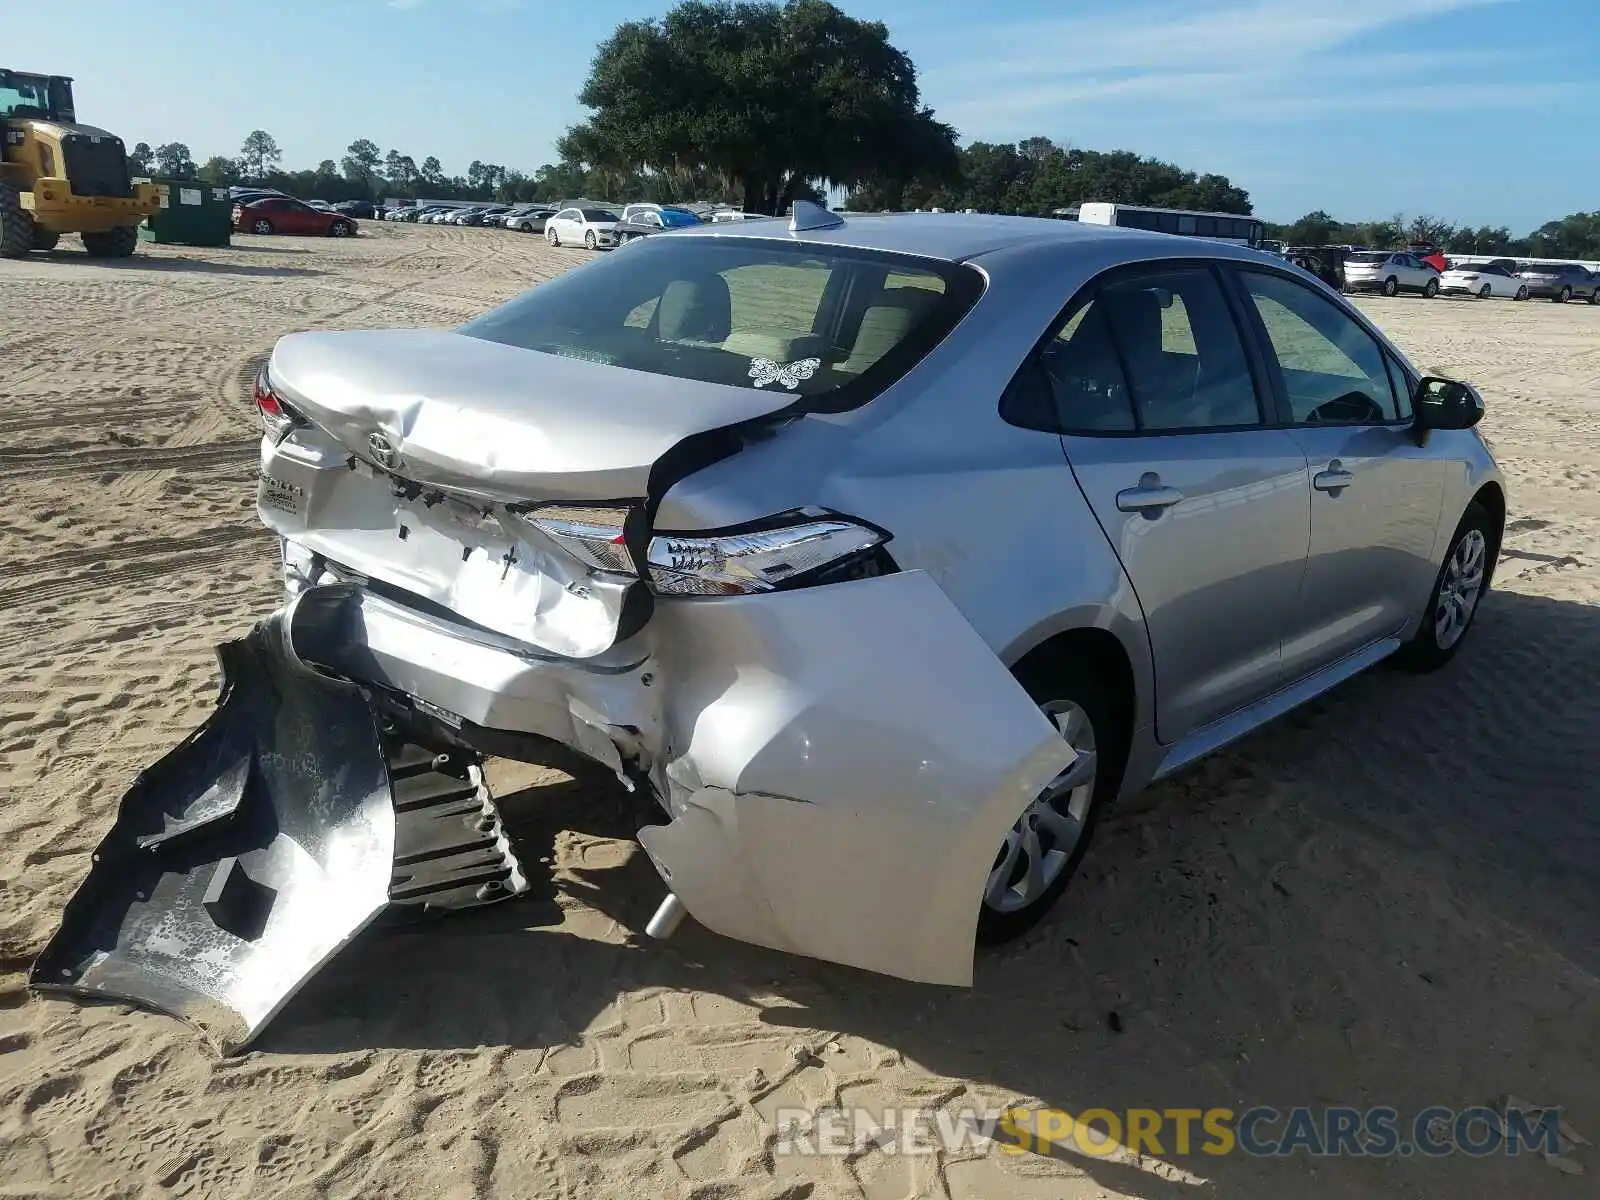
(1149,499)
(1334,478)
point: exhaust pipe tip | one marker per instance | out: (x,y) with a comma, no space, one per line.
(667,917)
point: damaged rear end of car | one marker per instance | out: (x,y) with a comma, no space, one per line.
(474,565)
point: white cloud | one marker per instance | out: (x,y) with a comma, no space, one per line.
(1255,60)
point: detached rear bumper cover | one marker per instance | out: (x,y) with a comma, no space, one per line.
(242,860)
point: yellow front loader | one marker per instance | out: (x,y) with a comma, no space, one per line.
(57,176)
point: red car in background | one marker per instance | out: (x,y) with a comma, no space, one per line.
(285,214)
(1432,255)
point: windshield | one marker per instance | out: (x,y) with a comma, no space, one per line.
(24,95)
(816,321)
(599,214)
(1369,256)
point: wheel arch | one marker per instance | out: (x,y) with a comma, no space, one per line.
(1103,652)
(1491,497)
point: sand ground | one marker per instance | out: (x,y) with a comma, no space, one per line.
(1390,898)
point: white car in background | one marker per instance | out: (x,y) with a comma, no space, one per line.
(1486,281)
(1389,272)
(733,214)
(593,227)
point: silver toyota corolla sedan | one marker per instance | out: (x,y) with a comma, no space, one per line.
(879,554)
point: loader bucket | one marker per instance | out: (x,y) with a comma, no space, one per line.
(242,860)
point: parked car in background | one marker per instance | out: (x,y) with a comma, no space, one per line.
(653,220)
(733,214)
(1389,272)
(1428,253)
(631,211)
(285,214)
(364,209)
(1486,281)
(489,215)
(1325,262)
(530,219)
(1561,282)
(593,227)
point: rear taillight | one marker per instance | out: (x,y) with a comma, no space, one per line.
(793,550)
(591,534)
(277,418)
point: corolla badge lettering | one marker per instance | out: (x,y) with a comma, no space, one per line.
(765,371)
(382,450)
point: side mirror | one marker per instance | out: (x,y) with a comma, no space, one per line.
(1164,296)
(1441,403)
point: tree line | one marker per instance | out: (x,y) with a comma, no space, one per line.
(760,104)
(1574,236)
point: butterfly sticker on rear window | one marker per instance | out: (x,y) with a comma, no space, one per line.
(764,371)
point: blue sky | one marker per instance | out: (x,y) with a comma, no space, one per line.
(1473,110)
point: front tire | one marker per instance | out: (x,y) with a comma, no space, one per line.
(1485,292)
(589,240)
(1458,592)
(113,243)
(1566,294)
(1391,286)
(1042,850)
(1522,293)
(16,225)
(1430,289)
(340,229)
(551,236)
(1594,295)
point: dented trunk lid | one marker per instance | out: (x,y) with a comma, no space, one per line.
(489,419)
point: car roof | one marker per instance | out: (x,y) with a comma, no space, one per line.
(957,237)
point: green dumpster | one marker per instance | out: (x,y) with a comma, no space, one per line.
(191,214)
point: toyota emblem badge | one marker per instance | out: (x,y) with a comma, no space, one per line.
(383,451)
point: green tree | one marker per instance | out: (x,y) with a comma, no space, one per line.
(360,165)
(140,159)
(1431,231)
(776,97)
(259,154)
(401,171)
(172,160)
(432,174)
(219,170)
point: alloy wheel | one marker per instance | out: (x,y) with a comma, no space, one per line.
(1460,589)
(1039,846)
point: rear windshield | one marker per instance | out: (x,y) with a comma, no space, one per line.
(1369,256)
(827,322)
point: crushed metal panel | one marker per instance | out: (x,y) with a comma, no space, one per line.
(853,756)
(242,860)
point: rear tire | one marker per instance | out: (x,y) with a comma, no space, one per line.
(113,243)
(1485,292)
(1391,286)
(261,226)
(1566,294)
(1522,293)
(45,240)
(1430,289)
(1455,599)
(1070,695)
(16,225)
(1594,295)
